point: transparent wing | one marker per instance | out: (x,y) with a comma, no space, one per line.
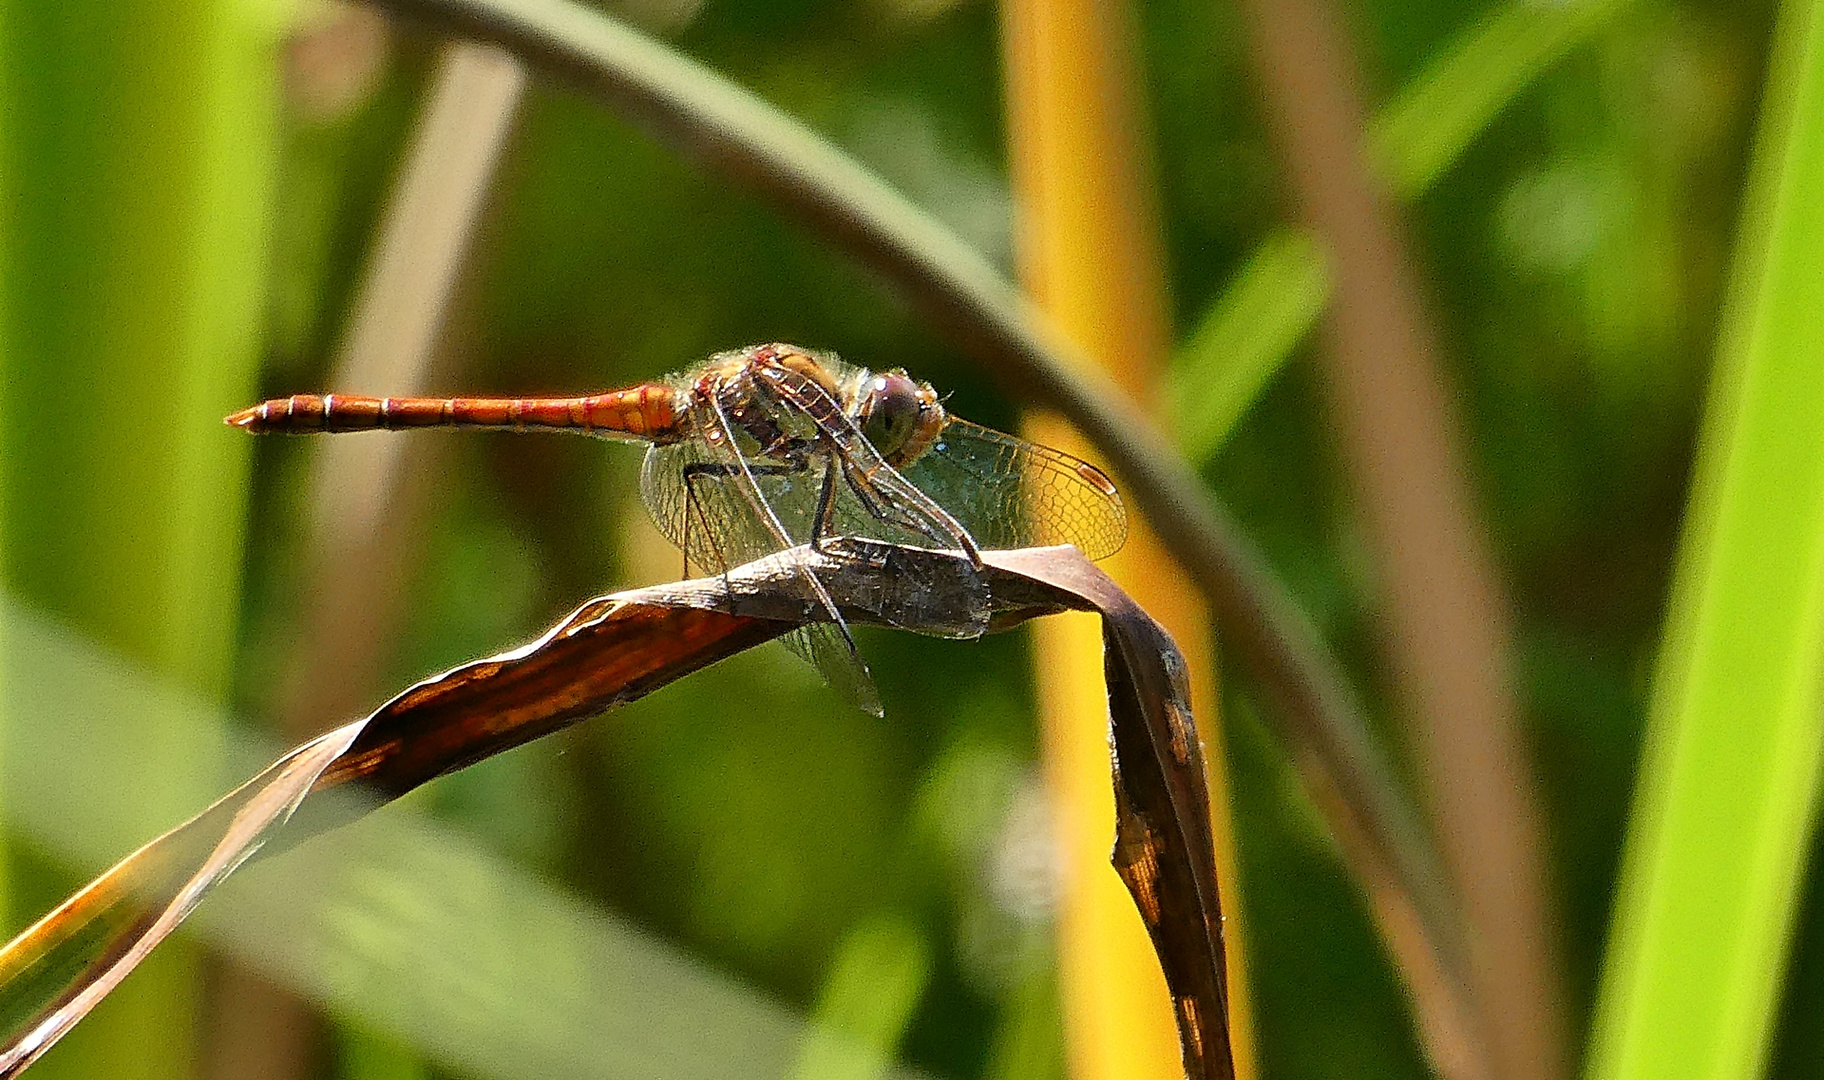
(1011,493)
(694,492)
(826,647)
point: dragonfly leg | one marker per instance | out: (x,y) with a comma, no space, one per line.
(877,502)
(723,472)
(877,507)
(695,506)
(845,662)
(825,521)
(821,524)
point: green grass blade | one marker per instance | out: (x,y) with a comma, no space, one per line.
(7,228)
(1253,326)
(869,994)
(139,211)
(1244,340)
(1716,851)
(139,137)
(1422,131)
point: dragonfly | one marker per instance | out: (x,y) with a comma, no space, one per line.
(762,449)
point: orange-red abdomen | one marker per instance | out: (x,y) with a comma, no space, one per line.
(644,412)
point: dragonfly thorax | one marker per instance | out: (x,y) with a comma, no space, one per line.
(783,403)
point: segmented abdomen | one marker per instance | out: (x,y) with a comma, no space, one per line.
(643,412)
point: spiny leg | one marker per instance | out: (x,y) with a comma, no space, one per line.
(825,521)
(697,507)
(877,503)
(695,510)
(764,512)
(878,509)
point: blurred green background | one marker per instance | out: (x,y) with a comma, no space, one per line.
(1575,253)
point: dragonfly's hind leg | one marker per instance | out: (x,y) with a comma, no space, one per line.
(694,508)
(820,529)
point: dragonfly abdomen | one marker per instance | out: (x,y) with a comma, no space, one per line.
(643,412)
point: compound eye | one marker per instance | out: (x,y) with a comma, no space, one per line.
(891,414)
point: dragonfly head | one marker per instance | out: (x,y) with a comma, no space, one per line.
(900,416)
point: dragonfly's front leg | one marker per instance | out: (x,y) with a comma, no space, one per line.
(837,470)
(877,507)
(879,504)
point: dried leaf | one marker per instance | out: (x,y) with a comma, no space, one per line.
(620,647)
(1163,847)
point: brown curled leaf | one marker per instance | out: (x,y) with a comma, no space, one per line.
(1163,847)
(620,647)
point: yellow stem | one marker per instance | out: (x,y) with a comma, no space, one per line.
(1090,255)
